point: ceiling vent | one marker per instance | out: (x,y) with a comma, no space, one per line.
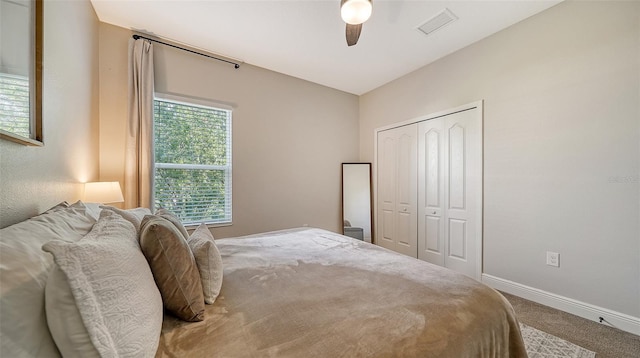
(442,19)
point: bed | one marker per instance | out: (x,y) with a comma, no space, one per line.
(313,293)
(77,281)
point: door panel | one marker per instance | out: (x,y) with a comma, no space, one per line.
(450,172)
(405,171)
(433,171)
(456,166)
(406,240)
(397,183)
(386,190)
(387,166)
(432,231)
(463,191)
(457,239)
(386,239)
(430,189)
(404,231)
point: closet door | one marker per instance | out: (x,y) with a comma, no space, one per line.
(397,189)
(463,191)
(450,191)
(431,206)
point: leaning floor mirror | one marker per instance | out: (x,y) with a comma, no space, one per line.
(357,201)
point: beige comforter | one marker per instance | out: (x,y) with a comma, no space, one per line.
(313,293)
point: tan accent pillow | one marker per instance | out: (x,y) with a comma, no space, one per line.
(174,268)
(208,260)
(173,218)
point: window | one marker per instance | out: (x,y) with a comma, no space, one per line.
(14,104)
(192,160)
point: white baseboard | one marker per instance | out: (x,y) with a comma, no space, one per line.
(591,312)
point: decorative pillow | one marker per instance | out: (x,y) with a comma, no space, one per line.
(101,299)
(59,206)
(64,318)
(24,270)
(93,209)
(208,260)
(174,268)
(133,216)
(166,214)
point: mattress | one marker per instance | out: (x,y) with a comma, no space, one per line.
(313,293)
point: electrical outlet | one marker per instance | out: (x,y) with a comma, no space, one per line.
(553,259)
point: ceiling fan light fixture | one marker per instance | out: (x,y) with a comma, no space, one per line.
(355,12)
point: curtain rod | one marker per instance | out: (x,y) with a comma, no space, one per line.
(235,65)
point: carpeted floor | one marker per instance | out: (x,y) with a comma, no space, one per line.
(606,341)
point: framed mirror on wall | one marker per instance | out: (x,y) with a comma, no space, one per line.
(357,214)
(21,71)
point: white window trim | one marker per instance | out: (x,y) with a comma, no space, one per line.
(193,101)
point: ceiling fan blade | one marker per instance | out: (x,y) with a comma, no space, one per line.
(353,34)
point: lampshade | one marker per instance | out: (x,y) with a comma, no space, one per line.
(355,12)
(103,192)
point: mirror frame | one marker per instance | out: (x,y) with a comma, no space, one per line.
(35,81)
(370,198)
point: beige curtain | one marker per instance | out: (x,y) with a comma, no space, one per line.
(138,173)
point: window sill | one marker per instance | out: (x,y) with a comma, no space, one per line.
(20,139)
(209,225)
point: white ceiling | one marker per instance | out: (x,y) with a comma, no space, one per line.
(306,38)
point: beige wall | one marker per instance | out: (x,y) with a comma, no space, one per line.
(289,135)
(561,95)
(32,179)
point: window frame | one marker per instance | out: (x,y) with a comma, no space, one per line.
(35,81)
(203,103)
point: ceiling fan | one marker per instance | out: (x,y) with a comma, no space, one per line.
(355,13)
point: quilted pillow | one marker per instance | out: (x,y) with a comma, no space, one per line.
(24,270)
(64,318)
(101,299)
(174,268)
(208,260)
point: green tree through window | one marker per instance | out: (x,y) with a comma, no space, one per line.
(192,161)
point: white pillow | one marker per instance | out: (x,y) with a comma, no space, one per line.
(114,295)
(134,216)
(208,260)
(93,209)
(59,206)
(64,319)
(24,268)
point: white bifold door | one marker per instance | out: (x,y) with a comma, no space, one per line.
(429,189)
(397,189)
(450,191)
